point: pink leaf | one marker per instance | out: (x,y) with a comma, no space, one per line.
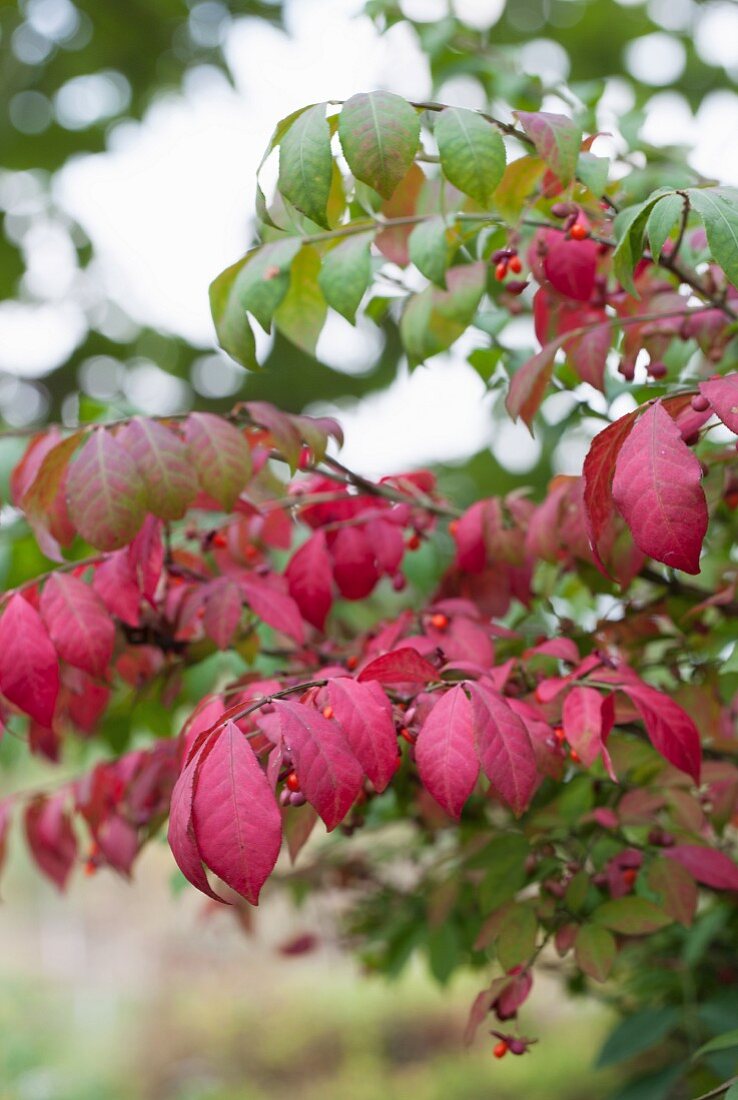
(223,609)
(330,775)
(471,550)
(588,354)
(51,837)
(571,266)
(670,729)
(106,493)
(29,668)
(584,723)
(364,714)
(146,555)
(354,570)
(598,471)
(115,585)
(557,140)
(310,578)
(221,456)
(504,747)
(236,821)
(78,624)
(401,666)
(165,465)
(530,382)
(275,608)
(657,489)
(387,544)
(706,865)
(181,835)
(722,393)
(445,752)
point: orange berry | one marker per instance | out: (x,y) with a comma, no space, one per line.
(219,539)
(500,273)
(579,232)
(352,662)
(559,734)
(630,874)
(327,712)
(515,264)
(453,527)
(501,1049)
(406,735)
(292,783)
(439,621)
(90,867)
(575,757)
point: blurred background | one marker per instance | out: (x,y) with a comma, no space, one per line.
(129,138)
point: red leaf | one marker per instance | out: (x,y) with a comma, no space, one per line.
(598,472)
(364,714)
(275,608)
(707,865)
(571,266)
(445,752)
(236,821)
(588,354)
(354,570)
(165,465)
(221,457)
(146,555)
(118,841)
(328,771)
(471,551)
(584,723)
(401,666)
(106,493)
(78,624)
(387,544)
(504,747)
(181,835)
(115,585)
(670,729)
(5,812)
(51,837)
(309,575)
(657,489)
(530,382)
(557,140)
(223,609)
(722,393)
(29,668)
(39,487)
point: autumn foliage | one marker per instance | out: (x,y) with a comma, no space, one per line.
(548,722)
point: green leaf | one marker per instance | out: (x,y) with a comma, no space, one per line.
(221,456)
(593,172)
(629,226)
(631,916)
(665,214)
(637,1033)
(676,888)
(518,182)
(306,164)
(165,465)
(732,1093)
(229,317)
(429,249)
(434,319)
(379,135)
(346,273)
(718,208)
(264,278)
(517,939)
(504,863)
(472,152)
(557,140)
(443,951)
(280,130)
(595,951)
(721,1042)
(302,314)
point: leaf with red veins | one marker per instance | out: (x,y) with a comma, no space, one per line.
(105,492)
(557,140)
(657,489)
(236,821)
(354,568)
(29,667)
(272,606)
(722,393)
(51,838)
(598,473)
(310,578)
(445,752)
(164,463)
(401,666)
(706,865)
(78,624)
(364,714)
(221,456)
(584,722)
(223,608)
(504,747)
(329,774)
(181,834)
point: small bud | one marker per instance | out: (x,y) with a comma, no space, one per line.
(517,1046)
(700,403)
(658,370)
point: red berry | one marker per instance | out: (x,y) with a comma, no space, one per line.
(658,370)
(406,735)
(219,540)
(559,734)
(292,783)
(399,582)
(352,662)
(700,403)
(515,264)
(453,527)
(413,542)
(501,271)
(630,874)
(501,1049)
(579,232)
(574,756)
(439,621)
(327,712)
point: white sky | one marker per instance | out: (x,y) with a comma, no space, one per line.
(168,205)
